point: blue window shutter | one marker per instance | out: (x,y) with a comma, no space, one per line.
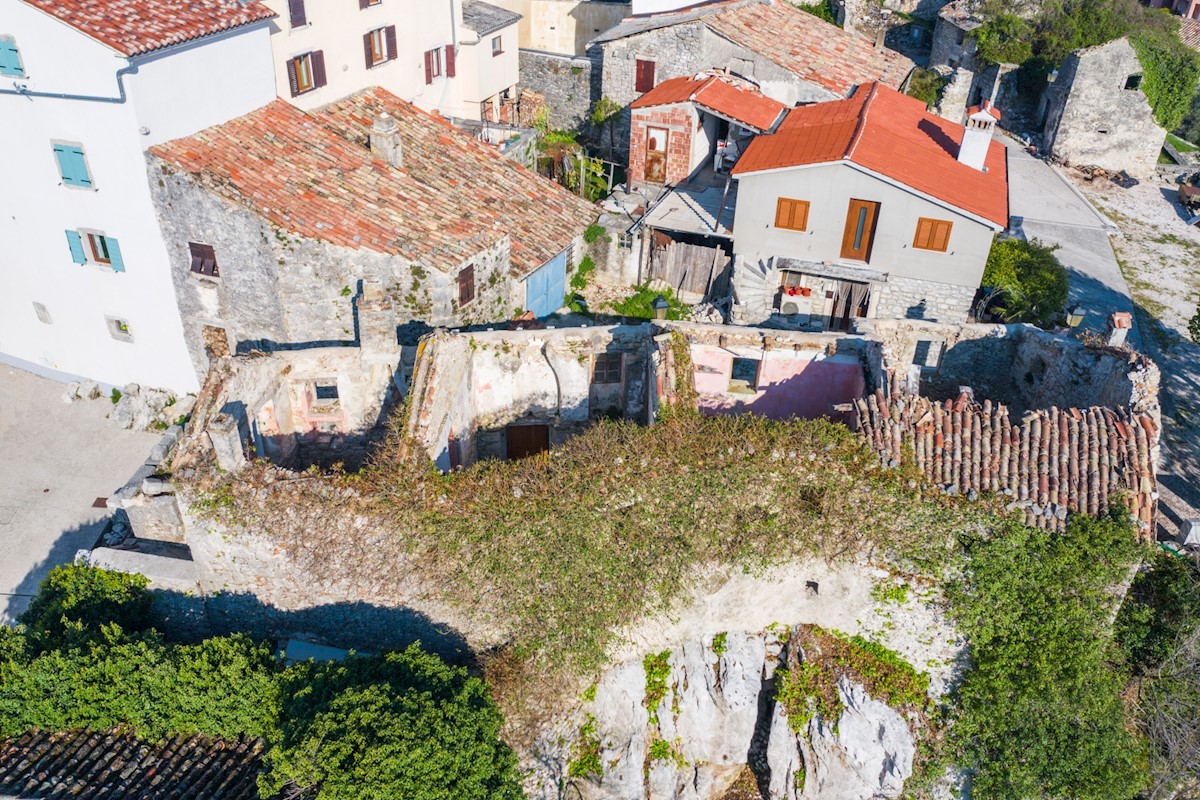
(72,165)
(10,59)
(114,254)
(76,243)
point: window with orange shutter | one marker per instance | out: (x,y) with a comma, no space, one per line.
(932,234)
(791,214)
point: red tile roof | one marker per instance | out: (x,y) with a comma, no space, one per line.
(133,27)
(890,134)
(312,174)
(1189,32)
(738,102)
(809,47)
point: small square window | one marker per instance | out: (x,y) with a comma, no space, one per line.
(625,241)
(204,260)
(118,329)
(743,377)
(10,58)
(43,314)
(325,391)
(607,368)
(497,46)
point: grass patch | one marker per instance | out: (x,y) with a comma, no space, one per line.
(1181,145)
(640,304)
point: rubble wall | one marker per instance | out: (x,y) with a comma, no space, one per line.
(564,81)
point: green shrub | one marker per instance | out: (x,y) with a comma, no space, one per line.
(1040,712)
(583,272)
(381,727)
(1194,326)
(657,671)
(1004,38)
(1170,71)
(926,85)
(593,232)
(1163,601)
(74,602)
(1032,282)
(640,304)
(822,9)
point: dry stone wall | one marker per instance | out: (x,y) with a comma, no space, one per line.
(565,82)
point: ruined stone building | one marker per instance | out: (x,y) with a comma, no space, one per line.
(1095,113)
(952,43)
(869,207)
(274,219)
(793,56)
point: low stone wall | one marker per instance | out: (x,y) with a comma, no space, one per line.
(564,81)
(909,298)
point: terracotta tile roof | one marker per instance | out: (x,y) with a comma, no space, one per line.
(893,135)
(133,27)
(809,47)
(312,174)
(797,41)
(1189,32)
(987,108)
(742,103)
(91,765)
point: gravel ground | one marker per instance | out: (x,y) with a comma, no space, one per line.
(1160,258)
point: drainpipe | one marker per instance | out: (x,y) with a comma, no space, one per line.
(132,69)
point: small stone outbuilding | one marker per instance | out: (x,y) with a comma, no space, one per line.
(1096,114)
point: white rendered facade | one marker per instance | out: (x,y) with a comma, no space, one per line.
(97,320)
(418,66)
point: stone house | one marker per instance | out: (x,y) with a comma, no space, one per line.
(866,207)
(683,125)
(274,220)
(952,45)
(1096,114)
(793,56)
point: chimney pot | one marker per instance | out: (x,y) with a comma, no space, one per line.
(977,136)
(385,140)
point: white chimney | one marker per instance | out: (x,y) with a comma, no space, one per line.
(977,136)
(385,140)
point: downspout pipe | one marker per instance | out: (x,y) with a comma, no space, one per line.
(121,97)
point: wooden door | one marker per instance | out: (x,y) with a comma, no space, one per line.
(860,230)
(656,155)
(526,440)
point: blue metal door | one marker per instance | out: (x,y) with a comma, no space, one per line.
(546,286)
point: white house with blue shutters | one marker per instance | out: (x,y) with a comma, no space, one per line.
(84,91)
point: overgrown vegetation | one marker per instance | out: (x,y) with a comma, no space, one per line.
(585,757)
(1030,281)
(1004,39)
(1040,711)
(1163,604)
(926,85)
(822,9)
(657,673)
(583,273)
(398,725)
(1194,326)
(641,304)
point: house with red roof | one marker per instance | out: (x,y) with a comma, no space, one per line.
(866,207)
(86,86)
(274,221)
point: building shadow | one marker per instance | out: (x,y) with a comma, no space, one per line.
(63,551)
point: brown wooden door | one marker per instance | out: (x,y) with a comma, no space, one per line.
(656,155)
(860,230)
(527,440)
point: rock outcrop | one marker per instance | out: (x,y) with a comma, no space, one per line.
(717,714)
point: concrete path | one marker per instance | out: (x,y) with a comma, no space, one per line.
(1049,208)
(55,460)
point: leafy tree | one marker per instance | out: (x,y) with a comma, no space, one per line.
(1004,39)
(926,85)
(1031,281)
(401,725)
(1040,708)
(1194,326)
(74,602)
(1162,603)
(605,112)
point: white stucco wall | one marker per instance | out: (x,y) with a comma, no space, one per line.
(828,189)
(336,27)
(38,208)
(654,6)
(483,75)
(563,26)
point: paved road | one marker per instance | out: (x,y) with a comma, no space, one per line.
(55,460)
(1053,211)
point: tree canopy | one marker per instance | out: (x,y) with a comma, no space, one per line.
(1031,281)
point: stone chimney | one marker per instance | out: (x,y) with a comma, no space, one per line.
(977,136)
(385,140)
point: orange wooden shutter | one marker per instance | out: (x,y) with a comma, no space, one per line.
(941,236)
(799,215)
(924,233)
(783,213)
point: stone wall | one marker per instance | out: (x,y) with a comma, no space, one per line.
(564,81)
(277,288)
(1093,119)
(908,298)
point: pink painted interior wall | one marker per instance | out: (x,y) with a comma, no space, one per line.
(790,384)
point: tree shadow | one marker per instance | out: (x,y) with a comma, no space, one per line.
(63,551)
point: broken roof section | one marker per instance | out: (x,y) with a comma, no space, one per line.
(963,14)
(892,135)
(808,47)
(484,18)
(312,173)
(135,27)
(735,100)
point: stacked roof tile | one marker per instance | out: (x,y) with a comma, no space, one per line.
(134,27)
(312,173)
(97,765)
(797,41)
(893,135)
(740,103)
(1189,32)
